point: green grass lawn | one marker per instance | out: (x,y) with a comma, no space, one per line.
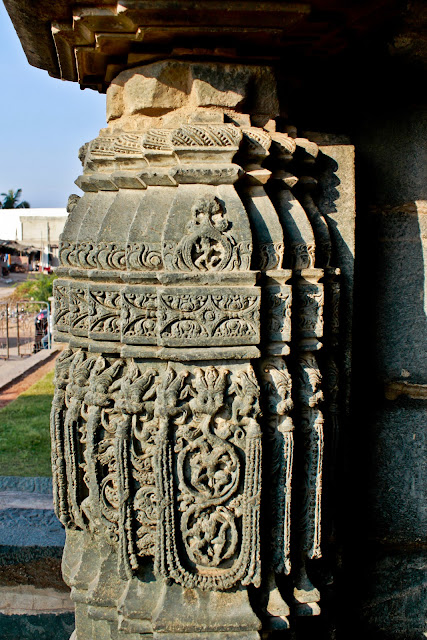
(24,432)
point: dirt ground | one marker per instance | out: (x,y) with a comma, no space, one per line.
(8,283)
(12,391)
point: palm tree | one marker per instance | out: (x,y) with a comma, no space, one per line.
(11,199)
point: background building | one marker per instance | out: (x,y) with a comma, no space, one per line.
(38,228)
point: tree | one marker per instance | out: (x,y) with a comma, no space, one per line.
(11,200)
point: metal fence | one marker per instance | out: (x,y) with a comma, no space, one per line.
(25,327)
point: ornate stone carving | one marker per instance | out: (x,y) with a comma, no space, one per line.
(57,418)
(140,256)
(202,256)
(279,404)
(78,309)
(216,458)
(209,244)
(206,136)
(100,465)
(230,317)
(311,301)
(75,434)
(310,396)
(139,315)
(61,318)
(270,255)
(303,256)
(278,306)
(104,312)
(114,420)
(111,256)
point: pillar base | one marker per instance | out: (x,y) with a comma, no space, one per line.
(205,615)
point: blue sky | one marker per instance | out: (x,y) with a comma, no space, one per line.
(43,122)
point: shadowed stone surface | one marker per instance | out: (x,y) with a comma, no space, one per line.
(26,485)
(47,626)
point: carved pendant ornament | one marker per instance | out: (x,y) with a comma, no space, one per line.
(195,297)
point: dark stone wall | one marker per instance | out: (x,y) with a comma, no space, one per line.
(387,465)
(374,95)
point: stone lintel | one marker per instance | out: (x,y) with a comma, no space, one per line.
(91,43)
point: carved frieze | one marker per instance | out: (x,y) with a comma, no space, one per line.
(215,143)
(78,297)
(129,429)
(139,315)
(61,318)
(173,316)
(142,256)
(111,256)
(188,315)
(104,312)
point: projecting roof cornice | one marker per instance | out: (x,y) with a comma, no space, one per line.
(91,43)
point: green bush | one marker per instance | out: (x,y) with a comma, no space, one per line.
(38,289)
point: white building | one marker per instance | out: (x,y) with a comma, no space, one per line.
(39,228)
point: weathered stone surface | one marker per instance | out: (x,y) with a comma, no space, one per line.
(27,599)
(31,528)
(33,598)
(47,626)
(397,500)
(150,95)
(26,485)
(388,492)
(402,233)
(392,604)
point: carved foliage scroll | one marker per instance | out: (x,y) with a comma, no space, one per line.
(230,316)
(213,455)
(174,316)
(162,461)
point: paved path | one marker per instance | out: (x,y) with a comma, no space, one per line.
(14,368)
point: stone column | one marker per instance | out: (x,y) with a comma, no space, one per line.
(191,298)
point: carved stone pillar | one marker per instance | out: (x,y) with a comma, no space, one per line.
(191,297)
